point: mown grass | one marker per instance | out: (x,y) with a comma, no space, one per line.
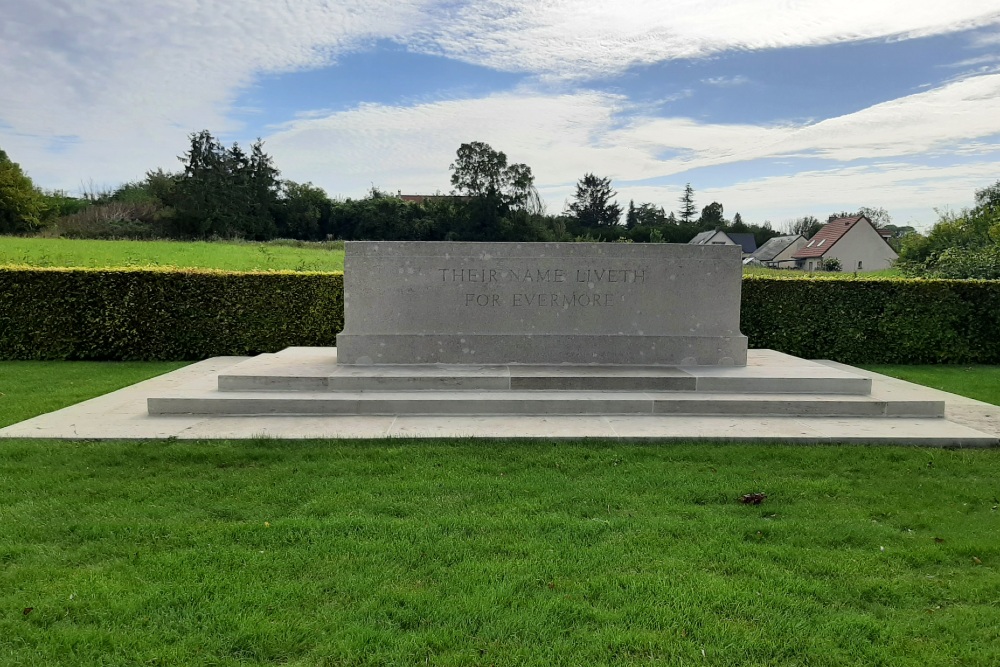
(488,552)
(979,382)
(764,272)
(30,388)
(495,553)
(228,256)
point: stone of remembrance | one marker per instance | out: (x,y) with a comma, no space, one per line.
(541,303)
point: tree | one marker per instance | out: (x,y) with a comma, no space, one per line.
(592,205)
(22,205)
(631,220)
(687,204)
(480,171)
(226,192)
(303,211)
(711,215)
(879,216)
(960,245)
(807,226)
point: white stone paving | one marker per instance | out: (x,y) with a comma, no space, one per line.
(122,415)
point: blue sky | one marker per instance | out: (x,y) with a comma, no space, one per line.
(775,109)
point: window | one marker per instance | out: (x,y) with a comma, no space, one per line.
(859,265)
(810,244)
(822,241)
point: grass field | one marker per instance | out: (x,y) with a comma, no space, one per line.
(486,553)
(764,272)
(235,256)
(493,553)
(979,382)
(239,256)
(30,388)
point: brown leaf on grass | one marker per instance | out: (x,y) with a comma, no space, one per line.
(976,561)
(753,498)
(27,610)
(939,540)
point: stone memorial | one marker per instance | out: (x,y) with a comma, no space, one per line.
(541,303)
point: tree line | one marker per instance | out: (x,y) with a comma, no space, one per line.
(228,192)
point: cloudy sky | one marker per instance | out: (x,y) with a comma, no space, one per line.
(777,109)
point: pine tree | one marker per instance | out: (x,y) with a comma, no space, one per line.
(688,209)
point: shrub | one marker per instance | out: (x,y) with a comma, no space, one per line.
(874,320)
(162,314)
(154,314)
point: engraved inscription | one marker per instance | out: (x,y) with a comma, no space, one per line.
(538,275)
(586,294)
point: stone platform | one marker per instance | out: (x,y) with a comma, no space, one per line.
(309,381)
(890,412)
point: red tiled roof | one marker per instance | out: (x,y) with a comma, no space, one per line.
(828,234)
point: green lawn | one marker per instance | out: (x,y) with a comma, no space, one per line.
(763,272)
(241,256)
(979,382)
(329,553)
(30,388)
(485,552)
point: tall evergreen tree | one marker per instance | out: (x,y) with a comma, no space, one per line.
(226,192)
(592,205)
(688,209)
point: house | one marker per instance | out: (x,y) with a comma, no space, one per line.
(719,237)
(854,241)
(778,252)
(746,241)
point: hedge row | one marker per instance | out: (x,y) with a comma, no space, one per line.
(144,314)
(875,321)
(152,314)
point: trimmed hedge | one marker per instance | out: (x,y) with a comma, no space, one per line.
(170,314)
(875,320)
(163,314)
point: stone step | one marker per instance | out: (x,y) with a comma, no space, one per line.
(305,369)
(536,403)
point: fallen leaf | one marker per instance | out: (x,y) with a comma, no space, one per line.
(27,610)
(753,498)
(976,561)
(939,540)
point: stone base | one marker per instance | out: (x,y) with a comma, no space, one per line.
(310,381)
(367,349)
(124,413)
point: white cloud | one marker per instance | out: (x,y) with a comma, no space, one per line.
(130,80)
(910,192)
(562,137)
(574,38)
(126,82)
(725,81)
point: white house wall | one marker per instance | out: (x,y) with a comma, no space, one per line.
(862,244)
(783,260)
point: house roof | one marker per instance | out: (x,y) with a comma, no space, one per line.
(703,237)
(828,234)
(774,246)
(746,241)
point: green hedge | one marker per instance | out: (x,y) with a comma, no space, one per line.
(152,314)
(875,320)
(155,314)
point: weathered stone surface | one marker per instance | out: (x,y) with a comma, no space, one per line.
(541,303)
